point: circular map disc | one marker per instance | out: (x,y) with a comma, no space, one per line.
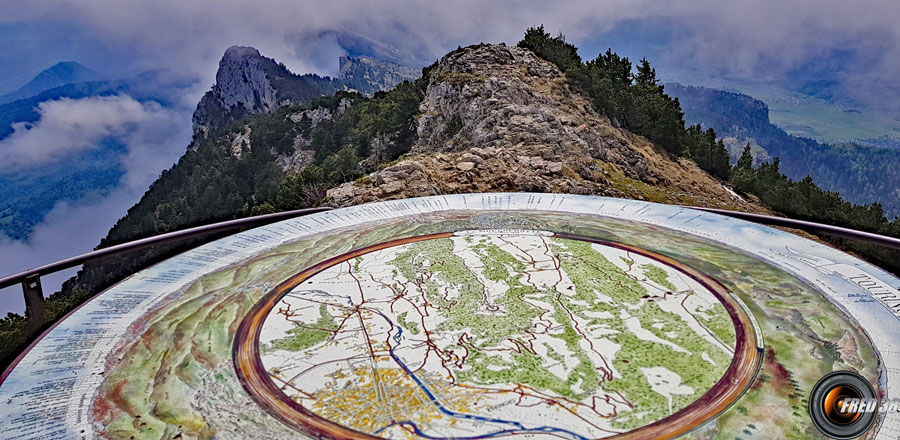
(468,316)
(503,327)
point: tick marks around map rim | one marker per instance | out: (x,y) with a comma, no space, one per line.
(258,382)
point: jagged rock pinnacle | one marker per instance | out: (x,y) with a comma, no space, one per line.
(248,83)
(236,52)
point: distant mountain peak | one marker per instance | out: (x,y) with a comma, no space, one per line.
(63,66)
(59,74)
(248,83)
(242,79)
(70,66)
(368,75)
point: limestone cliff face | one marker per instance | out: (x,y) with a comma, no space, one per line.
(506,97)
(498,118)
(242,79)
(302,156)
(368,75)
(248,83)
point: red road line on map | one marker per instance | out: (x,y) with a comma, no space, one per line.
(734,382)
(252,374)
(720,396)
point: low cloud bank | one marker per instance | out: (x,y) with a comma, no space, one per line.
(154,137)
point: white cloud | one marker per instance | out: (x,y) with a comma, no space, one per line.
(750,40)
(70,126)
(154,138)
(71,228)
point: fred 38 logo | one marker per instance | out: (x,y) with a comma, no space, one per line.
(843,405)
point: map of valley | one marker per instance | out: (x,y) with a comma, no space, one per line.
(496,333)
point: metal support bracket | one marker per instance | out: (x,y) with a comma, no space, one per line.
(35,308)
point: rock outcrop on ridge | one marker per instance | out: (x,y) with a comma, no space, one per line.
(248,83)
(498,118)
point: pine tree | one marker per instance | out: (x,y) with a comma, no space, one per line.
(746,160)
(553,49)
(646,75)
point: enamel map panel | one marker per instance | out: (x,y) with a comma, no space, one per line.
(468,316)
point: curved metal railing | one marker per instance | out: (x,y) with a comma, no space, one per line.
(31,279)
(835,231)
(34,298)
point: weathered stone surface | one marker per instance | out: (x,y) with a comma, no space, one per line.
(297,161)
(318,115)
(368,75)
(506,97)
(315,116)
(515,125)
(242,83)
(465,166)
(240,141)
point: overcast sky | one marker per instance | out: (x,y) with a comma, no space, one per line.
(856,44)
(763,38)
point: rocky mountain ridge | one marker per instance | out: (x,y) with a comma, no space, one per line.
(862,174)
(248,83)
(368,75)
(498,118)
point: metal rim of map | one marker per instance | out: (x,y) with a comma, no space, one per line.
(727,390)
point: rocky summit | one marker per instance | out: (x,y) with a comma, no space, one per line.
(498,118)
(248,83)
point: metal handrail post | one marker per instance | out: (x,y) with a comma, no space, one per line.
(35,306)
